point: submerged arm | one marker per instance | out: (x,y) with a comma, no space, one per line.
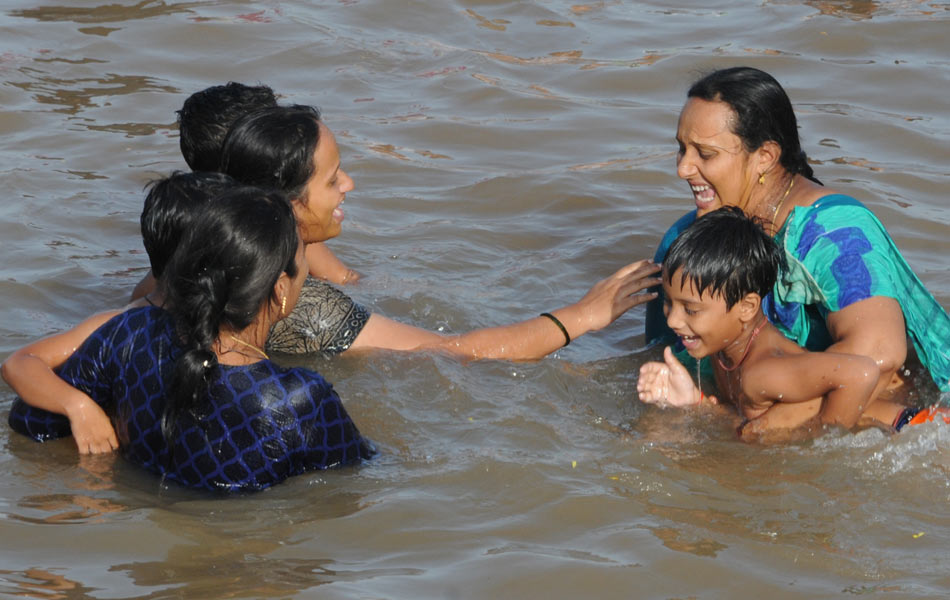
(29,371)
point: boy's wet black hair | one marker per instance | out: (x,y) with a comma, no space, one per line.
(725,253)
(171,206)
(206,117)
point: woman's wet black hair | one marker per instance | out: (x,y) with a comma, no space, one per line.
(273,148)
(171,205)
(206,117)
(222,276)
(725,253)
(763,112)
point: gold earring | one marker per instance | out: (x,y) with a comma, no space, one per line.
(283,305)
(761,178)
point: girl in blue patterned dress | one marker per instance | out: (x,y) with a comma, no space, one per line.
(187,391)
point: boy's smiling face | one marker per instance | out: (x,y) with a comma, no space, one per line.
(702,322)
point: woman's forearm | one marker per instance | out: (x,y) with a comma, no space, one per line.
(538,337)
(526,340)
(873,328)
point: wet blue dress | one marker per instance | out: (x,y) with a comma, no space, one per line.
(258,425)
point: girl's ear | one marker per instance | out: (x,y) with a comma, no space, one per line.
(749,307)
(281,289)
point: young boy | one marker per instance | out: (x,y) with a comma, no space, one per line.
(714,278)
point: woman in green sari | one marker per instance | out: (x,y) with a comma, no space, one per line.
(847,287)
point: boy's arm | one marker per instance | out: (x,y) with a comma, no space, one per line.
(29,371)
(846,382)
(325,265)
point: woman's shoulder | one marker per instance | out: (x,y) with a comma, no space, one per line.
(830,199)
(828,212)
(130,324)
(274,382)
(140,315)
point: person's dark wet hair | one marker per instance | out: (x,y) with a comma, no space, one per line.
(725,253)
(763,112)
(222,275)
(273,148)
(206,117)
(171,205)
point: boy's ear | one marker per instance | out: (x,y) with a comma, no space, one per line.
(749,307)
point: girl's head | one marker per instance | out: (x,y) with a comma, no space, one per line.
(172,203)
(288,148)
(737,125)
(240,264)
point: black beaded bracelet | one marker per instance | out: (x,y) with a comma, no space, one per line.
(567,337)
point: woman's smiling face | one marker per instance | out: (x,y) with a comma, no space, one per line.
(318,211)
(713,159)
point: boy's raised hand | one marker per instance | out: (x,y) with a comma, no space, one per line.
(667,383)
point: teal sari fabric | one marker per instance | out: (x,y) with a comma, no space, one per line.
(839,253)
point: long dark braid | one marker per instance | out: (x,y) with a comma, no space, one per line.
(222,276)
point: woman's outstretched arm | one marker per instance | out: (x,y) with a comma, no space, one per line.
(527,340)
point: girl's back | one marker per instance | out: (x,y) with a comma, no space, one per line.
(257,425)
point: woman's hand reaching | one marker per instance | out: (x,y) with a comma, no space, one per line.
(615,295)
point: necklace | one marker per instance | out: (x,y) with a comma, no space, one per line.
(251,346)
(778,206)
(745,352)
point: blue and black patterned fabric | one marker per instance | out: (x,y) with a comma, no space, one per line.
(258,425)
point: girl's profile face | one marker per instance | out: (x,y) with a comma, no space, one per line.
(712,159)
(318,212)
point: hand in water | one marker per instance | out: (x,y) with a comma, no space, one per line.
(668,383)
(91,428)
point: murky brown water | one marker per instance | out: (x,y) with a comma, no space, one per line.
(506,156)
